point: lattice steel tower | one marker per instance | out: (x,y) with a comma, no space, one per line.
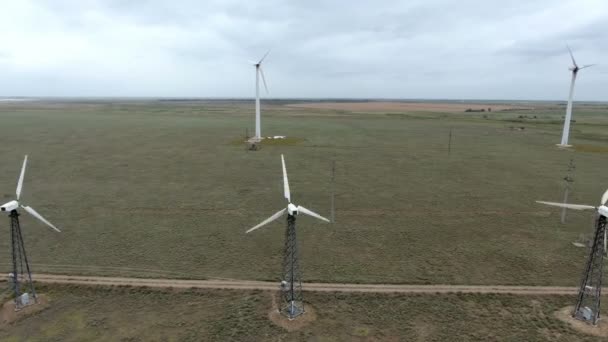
(21,276)
(291,285)
(587,306)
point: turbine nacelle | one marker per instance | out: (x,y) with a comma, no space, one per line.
(603,210)
(10,206)
(293,209)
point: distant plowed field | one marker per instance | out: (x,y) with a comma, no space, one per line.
(401,106)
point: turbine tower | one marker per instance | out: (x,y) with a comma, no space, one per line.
(259,72)
(587,306)
(19,257)
(575,69)
(291,284)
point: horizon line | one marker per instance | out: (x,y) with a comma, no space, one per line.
(198,98)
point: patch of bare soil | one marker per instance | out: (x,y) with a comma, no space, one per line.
(386,106)
(8,314)
(565,315)
(424,330)
(300,322)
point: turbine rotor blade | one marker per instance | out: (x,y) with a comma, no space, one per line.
(263,78)
(586,66)
(34,213)
(303,210)
(569,206)
(20,182)
(605,198)
(286,191)
(268,220)
(572,56)
(266,54)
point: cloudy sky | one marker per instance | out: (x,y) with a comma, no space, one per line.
(380,49)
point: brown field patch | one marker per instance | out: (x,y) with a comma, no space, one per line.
(591,148)
(291,325)
(402,106)
(565,315)
(8,314)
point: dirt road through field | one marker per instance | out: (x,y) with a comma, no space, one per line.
(317,287)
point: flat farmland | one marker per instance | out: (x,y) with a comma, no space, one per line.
(398,107)
(123,314)
(167,189)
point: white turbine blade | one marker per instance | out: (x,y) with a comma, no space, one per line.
(286,192)
(569,206)
(252,62)
(605,198)
(20,182)
(38,216)
(303,210)
(268,220)
(586,66)
(266,54)
(263,78)
(572,56)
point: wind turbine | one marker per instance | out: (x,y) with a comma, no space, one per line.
(291,285)
(575,69)
(259,72)
(587,306)
(19,257)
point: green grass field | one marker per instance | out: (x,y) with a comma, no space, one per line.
(161,189)
(122,314)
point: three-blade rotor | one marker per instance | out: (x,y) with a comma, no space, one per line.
(575,67)
(13,205)
(258,69)
(290,207)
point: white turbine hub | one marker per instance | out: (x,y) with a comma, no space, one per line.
(293,210)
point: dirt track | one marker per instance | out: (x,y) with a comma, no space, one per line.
(319,287)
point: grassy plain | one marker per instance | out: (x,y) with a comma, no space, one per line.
(123,314)
(160,188)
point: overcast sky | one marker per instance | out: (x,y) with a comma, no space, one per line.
(383,49)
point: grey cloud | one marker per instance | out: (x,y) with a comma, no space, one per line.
(432,49)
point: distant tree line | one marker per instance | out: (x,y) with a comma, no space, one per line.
(470,110)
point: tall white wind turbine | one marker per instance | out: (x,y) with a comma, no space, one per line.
(259,72)
(575,69)
(21,274)
(291,283)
